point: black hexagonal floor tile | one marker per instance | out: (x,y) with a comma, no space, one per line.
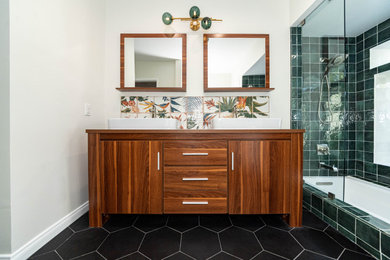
(239,242)
(343,241)
(81,223)
(178,256)
(160,243)
(183,222)
(200,243)
(82,243)
(215,222)
(47,256)
(249,222)
(134,256)
(55,242)
(279,242)
(268,256)
(150,222)
(119,221)
(121,243)
(311,220)
(275,221)
(317,242)
(223,256)
(90,256)
(306,255)
(351,255)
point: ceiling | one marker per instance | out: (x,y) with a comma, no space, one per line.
(361,15)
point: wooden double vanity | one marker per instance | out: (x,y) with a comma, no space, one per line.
(195,171)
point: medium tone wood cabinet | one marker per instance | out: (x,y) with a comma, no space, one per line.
(259,177)
(195,171)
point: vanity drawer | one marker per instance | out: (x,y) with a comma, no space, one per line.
(195,206)
(196,181)
(195,153)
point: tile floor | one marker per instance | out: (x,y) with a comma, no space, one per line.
(181,237)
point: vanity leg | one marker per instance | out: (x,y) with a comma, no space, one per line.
(95,213)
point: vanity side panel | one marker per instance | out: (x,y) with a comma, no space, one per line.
(95,211)
(296,180)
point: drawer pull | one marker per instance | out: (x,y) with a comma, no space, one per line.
(195,179)
(195,154)
(158,161)
(195,202)
(232,161)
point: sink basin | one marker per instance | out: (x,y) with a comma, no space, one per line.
(142,123)
(246,123)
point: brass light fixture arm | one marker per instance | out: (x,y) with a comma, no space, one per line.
(190,19)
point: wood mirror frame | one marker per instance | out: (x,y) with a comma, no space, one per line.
(206,38)
(183,87)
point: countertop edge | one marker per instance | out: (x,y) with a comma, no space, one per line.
(203,131)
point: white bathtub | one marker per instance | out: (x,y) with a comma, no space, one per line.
(367,196)
(322,183)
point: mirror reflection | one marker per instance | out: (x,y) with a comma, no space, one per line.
(153,61)
(237,61)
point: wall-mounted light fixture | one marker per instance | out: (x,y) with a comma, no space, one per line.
(195,20)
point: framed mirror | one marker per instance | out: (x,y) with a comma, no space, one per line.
(153,62)
(236,62)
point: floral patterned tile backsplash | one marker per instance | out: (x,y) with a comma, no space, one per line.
(194,112)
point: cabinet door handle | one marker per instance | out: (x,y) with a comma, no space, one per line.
(195,154)
(195,179)
(158,161)
(195,202)
(232,161)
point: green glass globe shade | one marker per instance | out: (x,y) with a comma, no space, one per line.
(206,23)
(167,18)
(194,12)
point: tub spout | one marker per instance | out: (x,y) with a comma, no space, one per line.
(327,166)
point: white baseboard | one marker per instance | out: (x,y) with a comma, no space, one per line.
(45,236)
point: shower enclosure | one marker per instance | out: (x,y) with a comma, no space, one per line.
(332,98)
(319,95)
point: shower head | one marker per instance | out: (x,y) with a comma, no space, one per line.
(335,61)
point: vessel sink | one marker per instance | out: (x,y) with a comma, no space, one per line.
(142,123)
(246,123)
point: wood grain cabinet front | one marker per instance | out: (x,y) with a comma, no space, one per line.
(131,177)
(195,172)
(192,153)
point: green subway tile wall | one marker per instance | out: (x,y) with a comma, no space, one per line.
(351,134)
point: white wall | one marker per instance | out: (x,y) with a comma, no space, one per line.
(299,9)
(5,208)
(253,16)
(57,62)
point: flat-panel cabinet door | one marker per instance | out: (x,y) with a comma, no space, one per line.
(259,177)
(131,177)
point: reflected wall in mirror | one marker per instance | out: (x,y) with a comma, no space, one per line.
(153,62)
(236,62)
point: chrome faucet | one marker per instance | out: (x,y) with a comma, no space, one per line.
(323,149)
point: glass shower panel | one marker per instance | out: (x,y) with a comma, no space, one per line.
(324,96)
